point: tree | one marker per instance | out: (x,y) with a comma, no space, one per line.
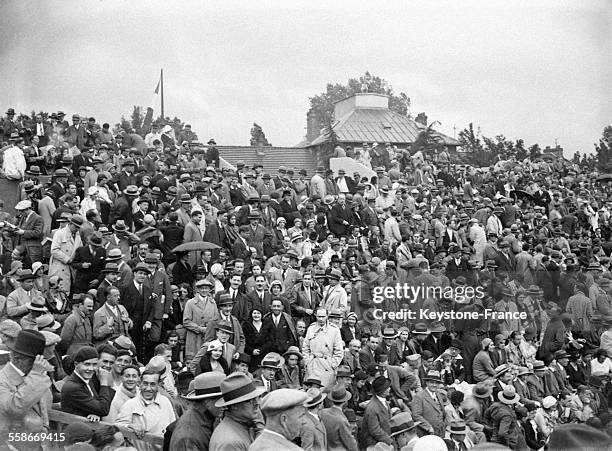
(604,150)
(470,139)
(428,140)
(322,105)
(535,152)
(137,120)
(258,137)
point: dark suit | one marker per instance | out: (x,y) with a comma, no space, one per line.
(453,270)
(337,215)
(237,338)
(505,262)
(78,400)
(215,234)
(302,302)
(33,233)
(126,179)
(278,338)
(241,250)
(140,308)
(436,347)
(267,302)
(347,335)
(121,209)
(76,137)
(366,358)
(375,427)
(84,276)
(498,357)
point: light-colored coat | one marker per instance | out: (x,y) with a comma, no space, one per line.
(192,233)
(429,412)
(323,350)
(230,435)
(121,324)
(267,441)
(196,316)
(63,248)
(335,298)
(23,398)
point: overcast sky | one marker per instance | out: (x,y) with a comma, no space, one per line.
(537,70)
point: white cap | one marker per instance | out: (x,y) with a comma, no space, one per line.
(23,204)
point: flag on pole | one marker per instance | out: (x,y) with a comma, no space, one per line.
(157,87)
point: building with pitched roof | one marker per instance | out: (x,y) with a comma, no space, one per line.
(366,118)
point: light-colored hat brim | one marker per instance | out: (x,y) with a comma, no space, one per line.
(192,396)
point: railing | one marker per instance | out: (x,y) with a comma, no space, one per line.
(58,421)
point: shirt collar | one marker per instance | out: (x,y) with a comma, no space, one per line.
(17,370)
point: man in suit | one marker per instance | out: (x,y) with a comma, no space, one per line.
(312,430)
(375,427)
(241,248)
(215,231)
(340,217)
(366,354)
(399,349)
(138,299)
(79,395)
(435,342)
(225,305)
(30,230)
(307,299)
(265,375)
(112,319)
(24,387)
(334,295)
(18,299)
(456,266)
(76,134)
(122,207)
(162,291)
(278,329)
(504,259)
(127,177)
(193,233)
(260,296)
(88,262)
(337,426)
(257,233)
(428,405)
(285,274)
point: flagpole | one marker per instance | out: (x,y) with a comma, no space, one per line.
(162,94)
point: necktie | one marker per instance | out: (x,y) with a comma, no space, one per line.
(140,288)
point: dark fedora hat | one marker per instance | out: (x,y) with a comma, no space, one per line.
(380,384)
(29,343)
(339,394)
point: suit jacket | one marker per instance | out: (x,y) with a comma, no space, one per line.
(192,233)
(32,237)
(339,436)
(76,137)
(121,209)
(258,380)
(436,347)
(366,358)
(84,276)
(216,234)
(255,300)
(102,332)
(237,338)
(337,215)
(140,308)
(278,338)
(313,434)
(78,399)
(301,303)
(289,281)
(429,411)
(376,424)
(347,335)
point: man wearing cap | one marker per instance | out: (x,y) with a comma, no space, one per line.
(323,348)
(194,428)
(198,313)
(428,405)
(284,412)
(122,207)
(63,249)
(24,387)
(290,373)
(240,398)
(312,431)
(503,418)
(334,295)
(18,299)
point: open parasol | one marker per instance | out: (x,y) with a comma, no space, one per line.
(195,246)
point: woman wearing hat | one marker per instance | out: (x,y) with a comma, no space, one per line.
(213,360)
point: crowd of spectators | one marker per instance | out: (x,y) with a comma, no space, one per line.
(148,288)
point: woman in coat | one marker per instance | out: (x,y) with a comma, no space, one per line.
(482,366)
(254,339)
(213,360)
(231,229)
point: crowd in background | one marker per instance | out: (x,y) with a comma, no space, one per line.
(146,285)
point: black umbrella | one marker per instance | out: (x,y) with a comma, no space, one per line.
(604,177)
(520,194)
(195,246)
